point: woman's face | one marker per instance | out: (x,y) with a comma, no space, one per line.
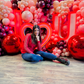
(36,31)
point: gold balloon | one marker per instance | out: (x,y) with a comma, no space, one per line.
(35,1)
(0,17)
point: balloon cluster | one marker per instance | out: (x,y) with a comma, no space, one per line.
(56,51)
(46,5)
(78,6)
(50,46)
(26,5)
(61,44)
(47,9)
(52,42)
(64,30)
(38,14)
(65,52)
(54,37)
(14,4)
(30,13)
(28,8)
(4,30)
(62,7)
(6,14)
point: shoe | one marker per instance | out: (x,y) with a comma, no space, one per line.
(63,61)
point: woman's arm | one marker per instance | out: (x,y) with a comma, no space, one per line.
(38,43)
(26,44)
(39,46)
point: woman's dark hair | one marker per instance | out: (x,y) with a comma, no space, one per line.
(33,35)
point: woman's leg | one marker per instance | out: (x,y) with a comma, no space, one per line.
(46,55)
(32,57)
(52,57)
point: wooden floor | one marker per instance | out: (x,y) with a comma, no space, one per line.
(14,70)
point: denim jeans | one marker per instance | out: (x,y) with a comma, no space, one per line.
(35,58)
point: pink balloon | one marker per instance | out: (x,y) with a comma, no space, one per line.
(27,16)
(78,18)
(80,29)
(58,51)
(75,8)
(57,54)
(76,3)
(40,15)
(78,12)
(52,37)
(62,13)
(8,3)
(35,23)
(27,9)
(82,13)
(54,51)
(12,23)
(35,11)
(59,15)
(81,21)
(35,16)
(77,23)
(81,8)
(11,16)
(32,9)
(31,3)
(65,28)
(6,21)
(36,20)
(81,4)
(39,10)
(44,19)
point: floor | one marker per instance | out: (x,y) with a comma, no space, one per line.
(14,70)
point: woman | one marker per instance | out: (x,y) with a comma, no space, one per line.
(31,42)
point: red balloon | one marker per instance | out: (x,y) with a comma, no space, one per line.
(12,43)
(76,46)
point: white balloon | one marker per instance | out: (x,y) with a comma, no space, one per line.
(6,21)
(26,4)
(62,7)
(22,7)
(1,2)
(2,6)
(4,11)
(62,54)
(57,9)
(1,13)
(67,53)
(65,4)
(6,7)
(5,15)
(8,11)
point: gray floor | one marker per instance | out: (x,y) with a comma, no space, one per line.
(14,70)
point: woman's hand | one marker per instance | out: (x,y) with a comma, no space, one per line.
(38,54)
(37,37)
